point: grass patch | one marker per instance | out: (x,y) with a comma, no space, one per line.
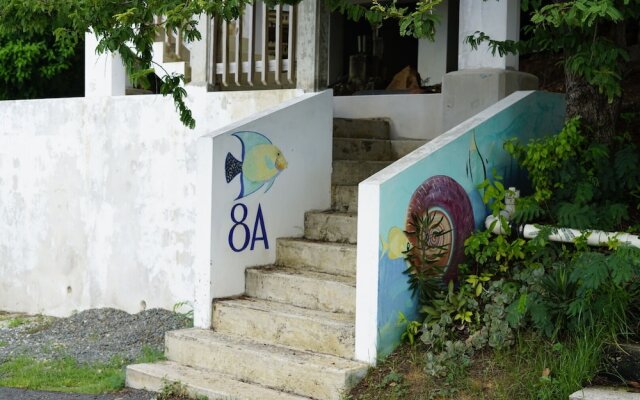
(16,322)
(3,343)
(534,368)
(67,375)
(62,375)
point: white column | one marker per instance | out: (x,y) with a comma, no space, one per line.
(203,293)
(312,46)
(432,55)
(104,75)
(500,19)
(198,50)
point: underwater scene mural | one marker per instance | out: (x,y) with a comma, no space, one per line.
(444,186)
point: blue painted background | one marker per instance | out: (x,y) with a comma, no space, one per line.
(535,115)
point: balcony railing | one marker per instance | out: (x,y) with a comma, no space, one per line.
(256,50)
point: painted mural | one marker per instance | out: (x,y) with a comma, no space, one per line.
(447,202)
(445,184)
(259,165)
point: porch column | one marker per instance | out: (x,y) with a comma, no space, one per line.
(500,19)
(312,48)
(483,79)
(432,55)
(104,75)
(200,59)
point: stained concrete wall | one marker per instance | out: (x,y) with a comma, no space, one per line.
(97,198)
(413,116)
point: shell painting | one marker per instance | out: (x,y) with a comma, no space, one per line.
(447,203)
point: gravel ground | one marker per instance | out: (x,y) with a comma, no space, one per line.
(20,394)
(92,336)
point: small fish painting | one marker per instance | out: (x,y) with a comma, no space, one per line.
(397,244)
(259,166)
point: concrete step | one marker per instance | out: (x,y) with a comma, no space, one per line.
(401,148)
(344,198)
(350,172)
(214,386)
(284,324)
(605,393)
(331,226)
(374,128)
(307,289)
(319,376)
(373,149)
(330,258)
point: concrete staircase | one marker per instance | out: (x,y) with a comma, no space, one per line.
(292,335)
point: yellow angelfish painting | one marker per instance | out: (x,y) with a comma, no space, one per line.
(259,166)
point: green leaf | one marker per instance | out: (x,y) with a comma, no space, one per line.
(590,270)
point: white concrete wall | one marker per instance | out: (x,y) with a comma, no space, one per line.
(413,116)
(98,199)
(302,129)
(104,74)
(469,91)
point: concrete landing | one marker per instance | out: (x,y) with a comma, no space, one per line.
(604,393)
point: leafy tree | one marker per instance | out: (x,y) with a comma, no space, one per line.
(592,37)
(32,59)
(127,28)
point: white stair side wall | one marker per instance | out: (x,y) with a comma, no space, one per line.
(301,129)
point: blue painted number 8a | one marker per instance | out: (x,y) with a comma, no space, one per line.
(239,223)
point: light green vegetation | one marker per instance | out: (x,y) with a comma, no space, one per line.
(67,375)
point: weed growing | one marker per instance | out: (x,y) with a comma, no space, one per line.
(16,322)
(177,391)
